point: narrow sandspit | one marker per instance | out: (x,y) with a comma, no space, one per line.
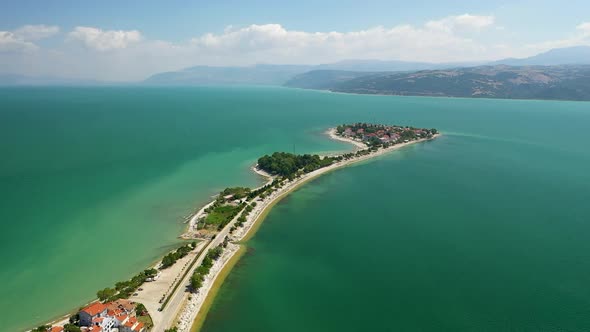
(197,302)
(262,204)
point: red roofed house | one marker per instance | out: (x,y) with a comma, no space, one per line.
(132,325)
(92,311)
(112,316)
(56,329)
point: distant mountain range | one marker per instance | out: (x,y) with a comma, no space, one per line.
(279,74)
(203,75)
(562,74)
(577,55)
(557,74)
(567,82)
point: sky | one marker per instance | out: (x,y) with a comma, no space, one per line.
(130,40)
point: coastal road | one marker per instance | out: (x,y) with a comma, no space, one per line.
(172,309)
(152,291)
(177,300)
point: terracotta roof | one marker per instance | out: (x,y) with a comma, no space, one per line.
(129,323)
(121,304)
(138,327)
(122,318)
(94,309)
(56,329)
(116,312)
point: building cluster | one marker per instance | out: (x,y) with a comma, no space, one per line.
(385,134)
(116,316)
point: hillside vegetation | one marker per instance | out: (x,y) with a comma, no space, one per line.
(568,82)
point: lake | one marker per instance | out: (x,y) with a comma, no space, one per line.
(483,229)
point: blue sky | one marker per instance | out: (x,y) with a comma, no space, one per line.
(97,39)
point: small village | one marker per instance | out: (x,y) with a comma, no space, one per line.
(377,134)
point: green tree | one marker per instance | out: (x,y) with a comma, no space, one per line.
(74,319)
(71,328)
(140,309)
(150,272)
(168,260)
(42,328)
(104,294)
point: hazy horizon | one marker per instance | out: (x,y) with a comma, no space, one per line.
(116,42)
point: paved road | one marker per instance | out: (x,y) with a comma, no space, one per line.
(152,291)
(168,315)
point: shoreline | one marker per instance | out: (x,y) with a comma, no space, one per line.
(202,300)
(199,320)
(431,96)
(357,145)
(192,306)
(263,207)
(259,213)
(191,228)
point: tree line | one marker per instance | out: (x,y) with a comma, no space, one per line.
(288,164)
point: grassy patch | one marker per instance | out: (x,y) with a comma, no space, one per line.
(221,215)
(238,192)
(147,320)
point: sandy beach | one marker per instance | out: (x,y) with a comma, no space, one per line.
(191,308)
(191,228)
(184,307)
(263,205)
(358,145)
(194,302)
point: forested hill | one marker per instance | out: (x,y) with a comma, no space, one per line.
(324,79)
(567,82)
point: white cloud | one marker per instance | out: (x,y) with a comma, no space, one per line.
(19,40)
(580,37)
(127,55)
(9,42)
(584,28)
(102,40)
(435,41)
(36,32)
(461,23)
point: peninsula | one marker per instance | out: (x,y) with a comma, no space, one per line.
(175,294)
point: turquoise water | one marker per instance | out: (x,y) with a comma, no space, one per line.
(95,182)
(484,229)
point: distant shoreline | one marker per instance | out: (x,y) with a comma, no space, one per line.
(327,91)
